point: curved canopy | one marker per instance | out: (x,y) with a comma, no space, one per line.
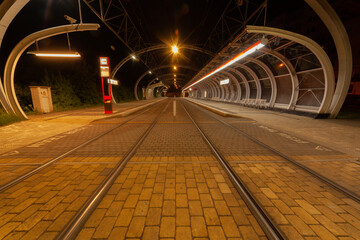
(291,72)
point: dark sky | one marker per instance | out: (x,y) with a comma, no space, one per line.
(159,21)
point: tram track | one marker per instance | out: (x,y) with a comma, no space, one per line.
(265,220)
(324,179)
(76,223)
(17,180)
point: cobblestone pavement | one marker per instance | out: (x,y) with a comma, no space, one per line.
(342,168)
(299,203)
(173,187)
(41,205)
(43,126)
(339,134)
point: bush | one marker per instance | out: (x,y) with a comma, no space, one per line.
(63,94)
(6,118)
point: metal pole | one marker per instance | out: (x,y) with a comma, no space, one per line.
(174,107)
(80,12)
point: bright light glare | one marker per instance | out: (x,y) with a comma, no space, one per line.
(55,54)
(133,57)
(175,49)
(150,72)
(259,44)
(175,67)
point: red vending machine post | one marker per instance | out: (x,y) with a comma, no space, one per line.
(105,83)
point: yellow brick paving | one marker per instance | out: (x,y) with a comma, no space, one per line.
(302,206)
(343,172)
(43,204)
(172,201)
(11,168)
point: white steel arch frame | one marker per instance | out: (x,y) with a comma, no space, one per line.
(271,78)
(154,48)
(160,67)
(310,45)
(16,53)
(318,52)
(8,10)
(292,73)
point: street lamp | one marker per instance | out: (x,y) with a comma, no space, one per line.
(175,49)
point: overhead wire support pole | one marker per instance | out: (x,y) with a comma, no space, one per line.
(120,23)
(80,14)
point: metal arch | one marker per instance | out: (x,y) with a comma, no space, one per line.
(202,88)
(211,88)
(152,87)
(154,48)
(154,69)
(343,47)
(220,89)
(216,87)
(271,77)
(15,54)
(207,90)
(231,77)
(8,11)
(255,77)
(316,49)
(238,89)
(165,75)
(233,71)
(293,75)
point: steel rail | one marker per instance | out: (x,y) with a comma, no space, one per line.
(324,179)
(271,230)
(73,228)
(17,180)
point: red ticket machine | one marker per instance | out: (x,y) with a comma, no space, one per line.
(105,83)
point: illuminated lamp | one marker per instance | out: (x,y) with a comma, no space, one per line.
(55,54)
(259,44)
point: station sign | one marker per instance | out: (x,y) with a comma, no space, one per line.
(225,81)
(113,82)
(106,84)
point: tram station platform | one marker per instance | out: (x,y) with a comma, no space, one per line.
(174,170)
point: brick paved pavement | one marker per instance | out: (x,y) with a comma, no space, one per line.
(40,127)
(173,188)
(300,204)
(41,205)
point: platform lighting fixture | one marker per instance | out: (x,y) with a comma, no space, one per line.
(281,64)
(150,72)
(259,44)
(55,54)
(133,57)
(175,67)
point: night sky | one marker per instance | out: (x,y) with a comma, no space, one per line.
(159,21)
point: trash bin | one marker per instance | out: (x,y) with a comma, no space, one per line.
(41,98)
